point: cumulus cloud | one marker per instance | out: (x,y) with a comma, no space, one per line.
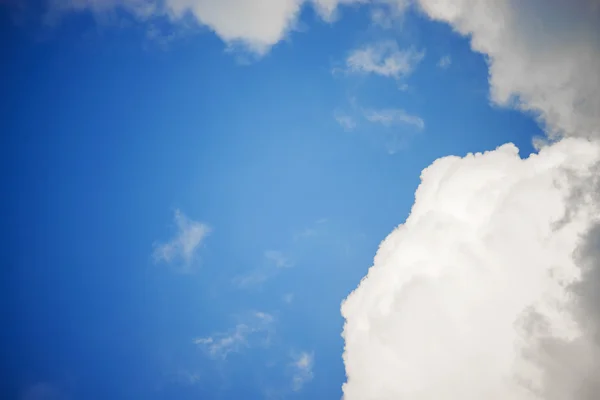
(390,117)
(490,288)
(384,58)
(451,307)
(302,367)
(256,329)
(255,25)
(184,246)
(543,55)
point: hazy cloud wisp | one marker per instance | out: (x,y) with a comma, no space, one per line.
(383,58)
(302,366)
(184,246)
(389,117)
(256,329)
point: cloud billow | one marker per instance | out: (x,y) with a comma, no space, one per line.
(255,26)
(489,290)
(442,312)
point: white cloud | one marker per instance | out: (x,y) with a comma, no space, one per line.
(258,24)
(488,290)
(544,55)
(327,8)
(384,58)
(183,247)
(302,367)
(255,25)
(445,310)
(388,13)
(390,117)
(444,62)
(255,330)
(347,122)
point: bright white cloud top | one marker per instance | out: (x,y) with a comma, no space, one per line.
(445,309)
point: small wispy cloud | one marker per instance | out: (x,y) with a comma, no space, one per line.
(252,279)
(384,58)
(317,228)
(347,122)
(302,367)
(390,116)
(288,298)
(444,62)
(184,245)
(388,13)
(274,261)
(278,259)
(255,330)
(186,377)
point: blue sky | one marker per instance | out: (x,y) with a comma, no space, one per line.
(183,221)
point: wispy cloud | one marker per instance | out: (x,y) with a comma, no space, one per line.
(288,298)
(444,62)
(387,13)
(347,122)
(252,279)
(255,330)
(186,377)
(391,116)
(184,245)
(302,367)
(315,229)
(384,58)
(275,260)
(278,259)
